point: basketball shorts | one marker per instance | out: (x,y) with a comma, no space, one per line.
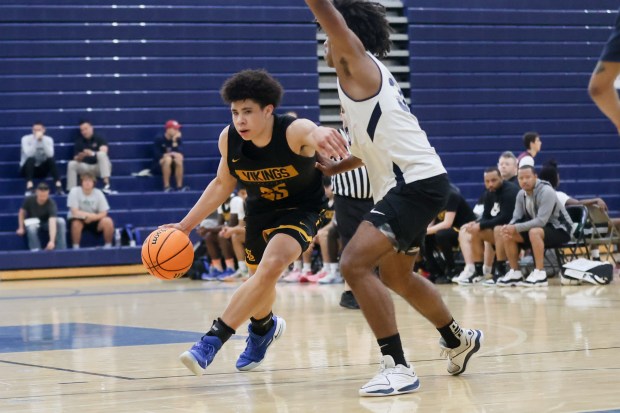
(90,227)
(554,237)
(349,214)
(299,224)
(406,210)
(611,51)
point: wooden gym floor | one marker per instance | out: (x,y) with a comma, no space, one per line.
(111,344)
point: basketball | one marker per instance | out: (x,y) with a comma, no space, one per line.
(167,253)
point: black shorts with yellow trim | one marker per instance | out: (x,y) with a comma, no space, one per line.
(301,225)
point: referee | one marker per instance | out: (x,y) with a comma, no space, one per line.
(352,200)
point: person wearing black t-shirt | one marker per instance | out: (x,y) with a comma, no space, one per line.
(499,204)
(275,157)
(169,155)
(90,155)
(443,234)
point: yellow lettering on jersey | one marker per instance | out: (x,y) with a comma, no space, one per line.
(268,175)
(276,193)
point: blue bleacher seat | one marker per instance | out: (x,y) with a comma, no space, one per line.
(128,68)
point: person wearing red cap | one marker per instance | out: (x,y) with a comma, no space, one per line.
(169,155)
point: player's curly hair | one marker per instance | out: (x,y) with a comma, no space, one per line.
(257,85)
(367,20)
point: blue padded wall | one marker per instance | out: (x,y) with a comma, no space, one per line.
(129,66)
(483,72)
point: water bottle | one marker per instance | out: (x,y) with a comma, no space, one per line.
(117,237)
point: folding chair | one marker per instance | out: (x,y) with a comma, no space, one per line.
(579,215)
(601,230)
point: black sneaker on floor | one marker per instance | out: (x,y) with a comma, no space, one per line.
(347,300)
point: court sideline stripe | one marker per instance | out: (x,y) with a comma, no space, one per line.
(67,370)
(78,294)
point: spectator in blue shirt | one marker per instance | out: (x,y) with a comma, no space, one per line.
(169,155)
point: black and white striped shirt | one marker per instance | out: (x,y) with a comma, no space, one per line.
(354,183)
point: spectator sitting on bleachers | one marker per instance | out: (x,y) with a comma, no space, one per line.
(508,166)
(539,221)
(533,144)
(39,213)
(499,205)
(443,234)
(37,158)
(235,231)
(90,155)
(169,156)
(88,209)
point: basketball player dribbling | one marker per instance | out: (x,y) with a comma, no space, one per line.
(601,87)
(274,156)
(409,184)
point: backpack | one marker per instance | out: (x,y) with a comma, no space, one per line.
(593,272)
(125,236)
(199,267)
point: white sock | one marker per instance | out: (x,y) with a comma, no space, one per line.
(297,265)
(243,266)
(76,246)
(470,268)
(333,267)
(107,245)
(307,267)
(486,270)
(595,253)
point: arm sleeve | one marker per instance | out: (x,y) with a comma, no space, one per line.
(72,199)
(519,207)
(453,202)
(103,202)
(547,200)
(48,146)
(28,150)
(53,209)
(157,151)
(101,141)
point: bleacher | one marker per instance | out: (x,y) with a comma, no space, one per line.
(481,74)
(484,72)
(130,67)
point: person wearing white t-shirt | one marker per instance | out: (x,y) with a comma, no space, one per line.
(88,209)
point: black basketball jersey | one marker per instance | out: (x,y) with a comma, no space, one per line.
(274,176)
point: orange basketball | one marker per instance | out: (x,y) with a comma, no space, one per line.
(167,253)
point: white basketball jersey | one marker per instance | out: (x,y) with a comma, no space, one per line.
(387,137)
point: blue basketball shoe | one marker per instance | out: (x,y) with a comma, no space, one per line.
(201,354)
(257,346)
